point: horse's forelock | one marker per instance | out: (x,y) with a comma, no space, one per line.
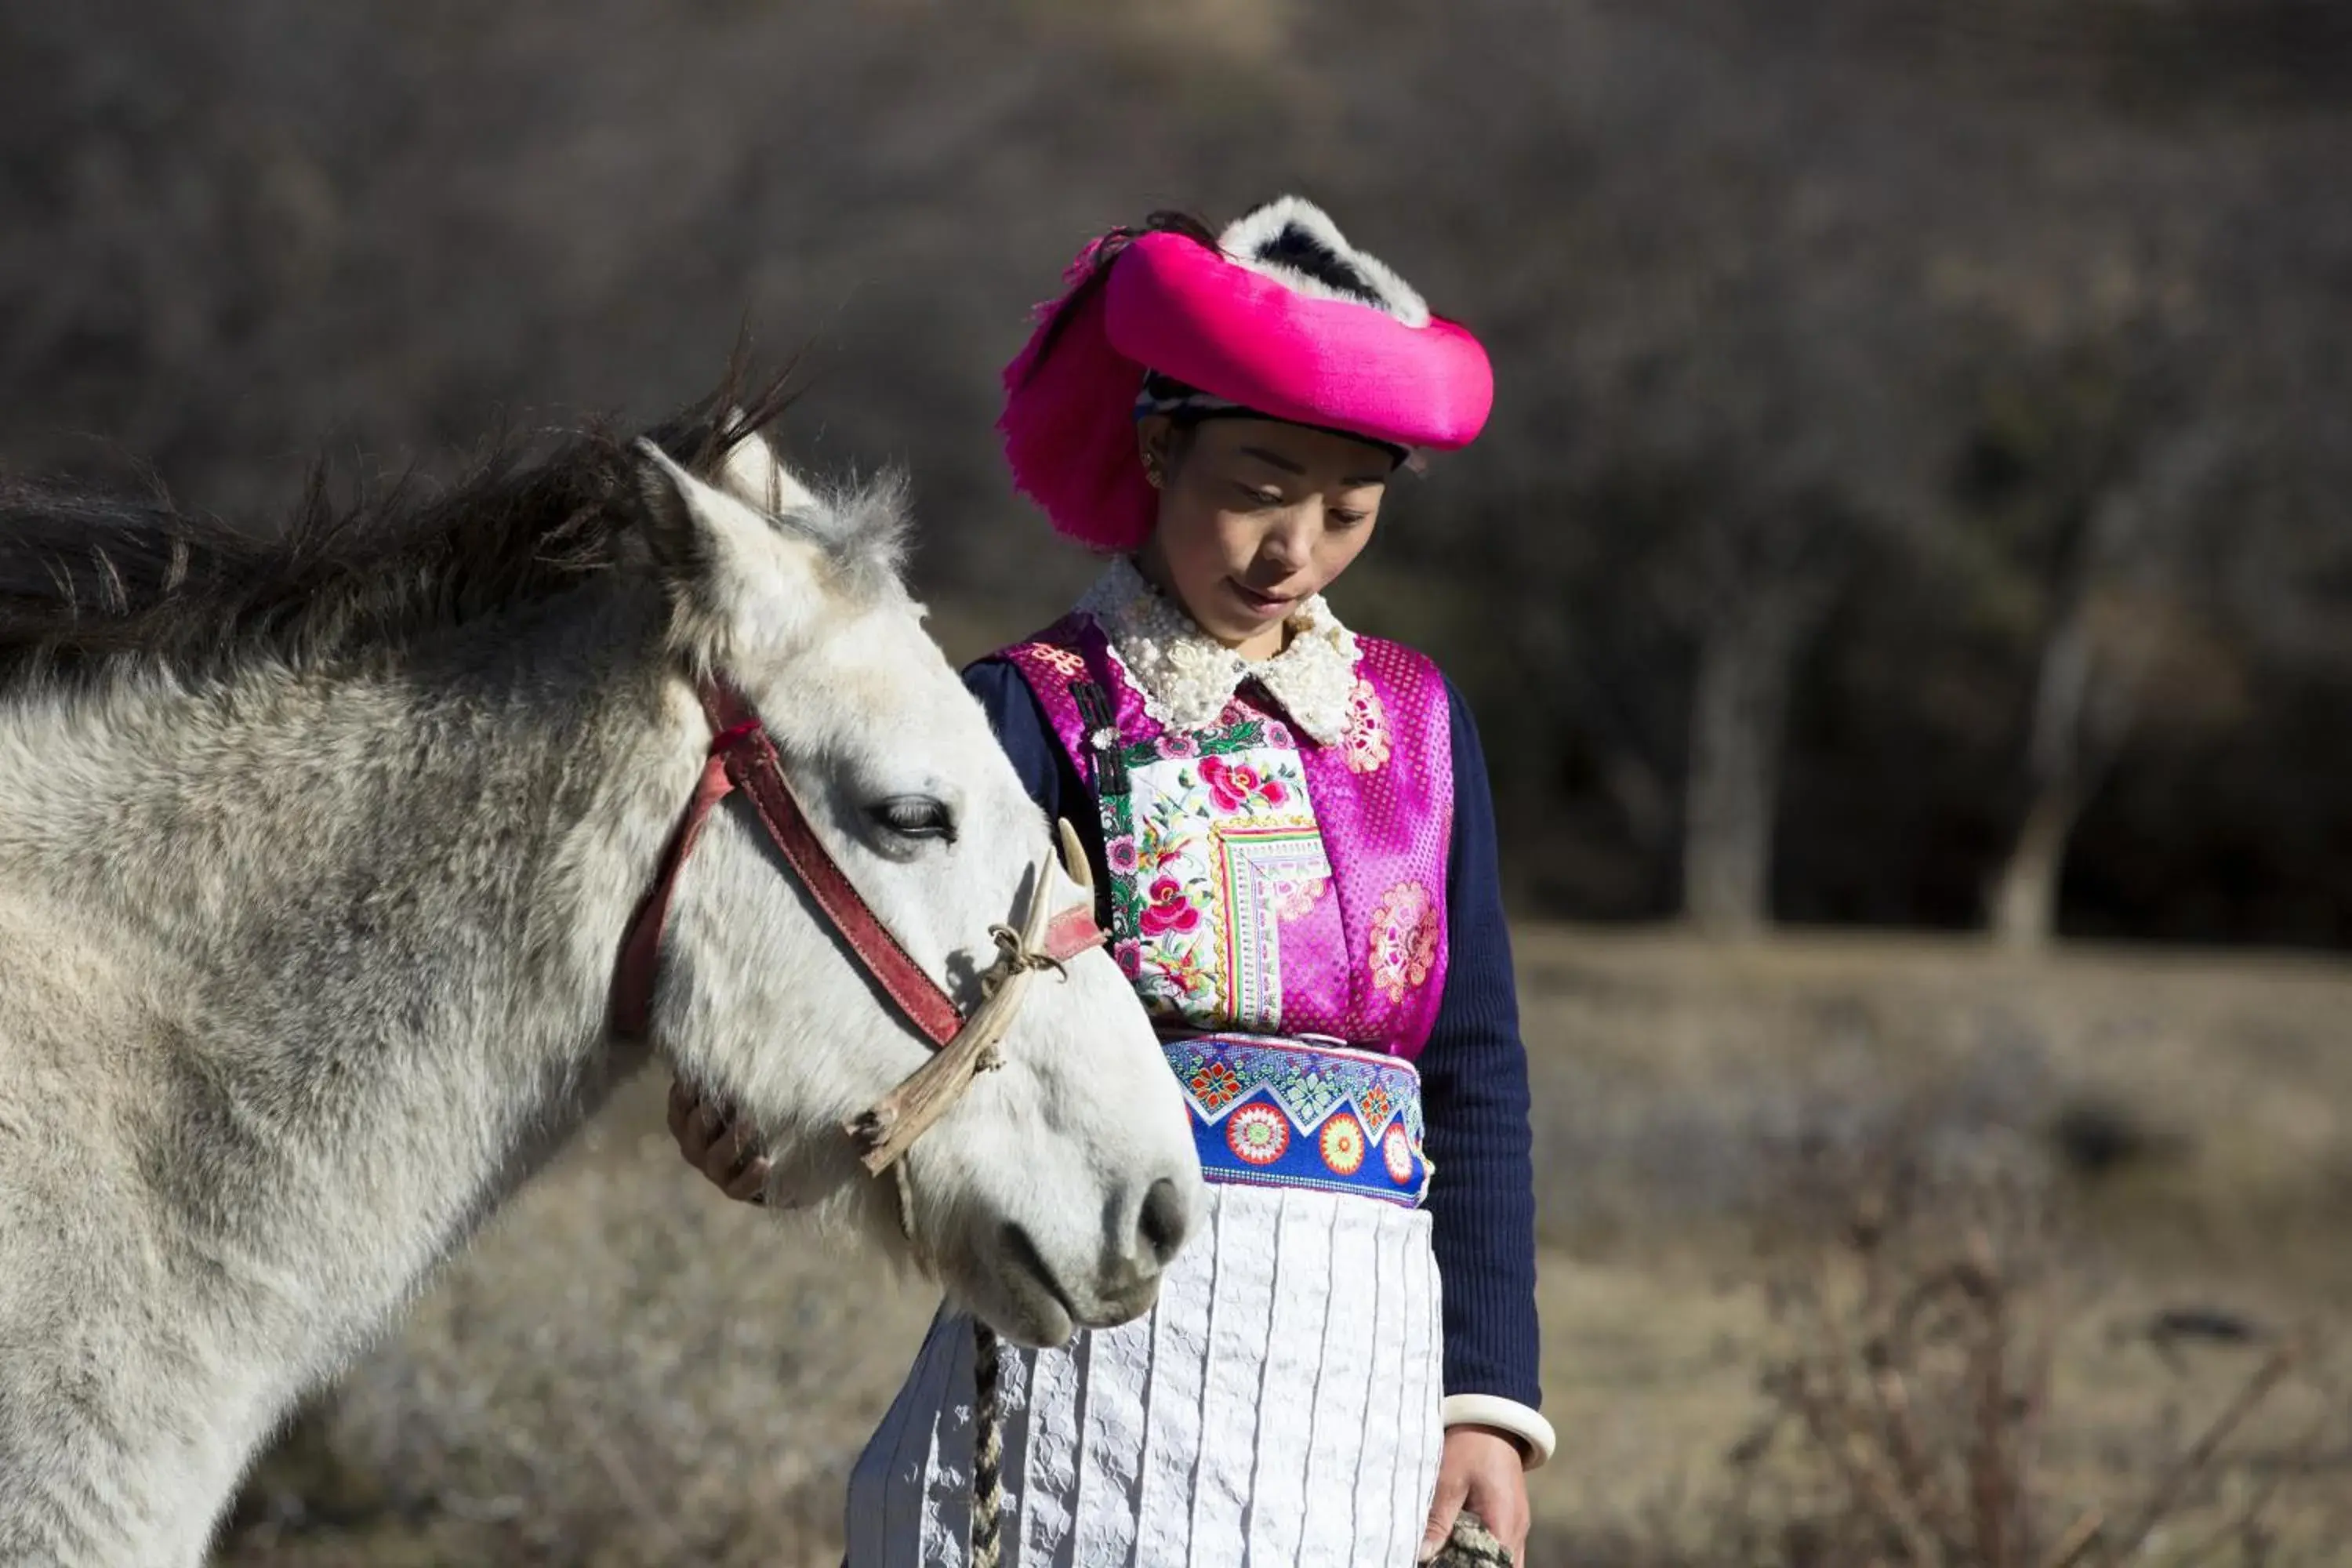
(864,531)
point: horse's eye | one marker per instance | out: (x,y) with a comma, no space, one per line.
(915,816)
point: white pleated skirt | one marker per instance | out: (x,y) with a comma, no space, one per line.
(1280,1406)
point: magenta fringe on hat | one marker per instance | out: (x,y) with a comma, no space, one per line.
(1068,429)
(1238,331)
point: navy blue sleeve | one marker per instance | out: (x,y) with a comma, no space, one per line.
(1045,768)
(1021,728)
(1474,1089)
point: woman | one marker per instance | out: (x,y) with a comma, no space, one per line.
(1294,829)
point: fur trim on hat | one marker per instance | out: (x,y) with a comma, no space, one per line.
(1294,242)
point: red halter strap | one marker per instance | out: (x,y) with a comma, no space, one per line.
(742,757)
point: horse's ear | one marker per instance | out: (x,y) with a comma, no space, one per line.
(757,477)
(736,584)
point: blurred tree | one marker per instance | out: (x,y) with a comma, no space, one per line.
(2099,468)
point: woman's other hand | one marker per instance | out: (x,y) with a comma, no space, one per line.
(712,1140)
(1483,1471)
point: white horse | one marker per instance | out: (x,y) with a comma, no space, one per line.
(315,854)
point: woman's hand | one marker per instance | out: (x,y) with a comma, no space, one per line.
(1483,1471)
(712,1143)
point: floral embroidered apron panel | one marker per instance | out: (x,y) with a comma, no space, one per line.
(1262,882)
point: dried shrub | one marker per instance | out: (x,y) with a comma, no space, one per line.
(1921,1304)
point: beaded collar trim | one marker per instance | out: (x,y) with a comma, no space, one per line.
(1187,676)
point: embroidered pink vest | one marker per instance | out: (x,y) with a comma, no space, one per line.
(1263,883)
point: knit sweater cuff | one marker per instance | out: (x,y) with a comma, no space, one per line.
(1534,1433)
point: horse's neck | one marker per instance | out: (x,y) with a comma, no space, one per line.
(372,921)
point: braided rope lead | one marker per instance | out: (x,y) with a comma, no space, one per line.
(987,1450)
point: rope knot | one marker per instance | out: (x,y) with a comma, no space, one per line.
(1014,956)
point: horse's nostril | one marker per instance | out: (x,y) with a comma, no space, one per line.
(1164,1220)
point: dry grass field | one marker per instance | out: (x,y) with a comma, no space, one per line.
(1751,1162)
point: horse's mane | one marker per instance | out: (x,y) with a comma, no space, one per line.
(87,575)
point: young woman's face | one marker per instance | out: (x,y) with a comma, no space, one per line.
(1257,516)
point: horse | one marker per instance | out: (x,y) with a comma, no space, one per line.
(319,848)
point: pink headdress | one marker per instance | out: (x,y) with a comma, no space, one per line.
(1284,318)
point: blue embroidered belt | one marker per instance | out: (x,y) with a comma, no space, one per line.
(1294,1113)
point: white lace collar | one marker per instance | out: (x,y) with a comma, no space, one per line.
(1187,676)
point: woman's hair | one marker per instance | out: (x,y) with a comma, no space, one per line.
(1169,220)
